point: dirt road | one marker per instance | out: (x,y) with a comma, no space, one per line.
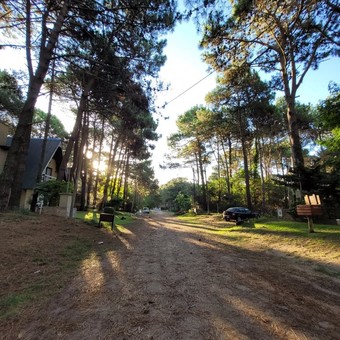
(162,279)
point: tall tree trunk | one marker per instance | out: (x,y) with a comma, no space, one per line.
(43,149)
(83,178)
(89,187)
(197,170)
(78,162)
(286,190)
(242,131)
(76,128)
(263,187)
(194,188)
(126,176)
(11,178)
(86,173)
(200,162)
(122,170)
(109,168)
(294,137)
(246,172)
(90,177)
(227,166)
(135,194)
(293,128)
(219,194)
(84,165)
(96,182)
(115,177)
(230,162)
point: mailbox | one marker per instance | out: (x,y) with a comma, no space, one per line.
(311,208)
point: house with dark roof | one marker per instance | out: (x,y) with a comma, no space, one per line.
(52,160)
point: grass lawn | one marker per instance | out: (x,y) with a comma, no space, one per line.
(268,226)
(92,217)
(287,237)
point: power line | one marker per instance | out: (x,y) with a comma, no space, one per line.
(188,89)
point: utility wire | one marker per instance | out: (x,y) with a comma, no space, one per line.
(188,89)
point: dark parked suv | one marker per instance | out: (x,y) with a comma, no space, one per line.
(238,214)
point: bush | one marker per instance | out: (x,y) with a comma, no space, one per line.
(50,190)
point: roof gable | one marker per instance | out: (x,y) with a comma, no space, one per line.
(53,148)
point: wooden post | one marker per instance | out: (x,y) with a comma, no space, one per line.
(310,224)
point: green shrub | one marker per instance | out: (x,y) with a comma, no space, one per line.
(50,190)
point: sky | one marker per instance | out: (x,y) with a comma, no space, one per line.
(184,68)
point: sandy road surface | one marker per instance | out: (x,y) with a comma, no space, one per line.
(162,279)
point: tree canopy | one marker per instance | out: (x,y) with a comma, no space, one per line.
(115,46)
(284,38)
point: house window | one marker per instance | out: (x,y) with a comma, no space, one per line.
(48,174)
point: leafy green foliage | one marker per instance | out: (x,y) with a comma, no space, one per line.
(177,189)
(191,144)
(11,103)
(11,98)
(112,53)
(9,87)
(316,180)
(57,129)
(183,202)
(322,176)
(283,39)
(329,108)
(51,191)
(243,101)
(115,202)
(328,119)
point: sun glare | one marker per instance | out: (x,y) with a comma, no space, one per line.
(99,166)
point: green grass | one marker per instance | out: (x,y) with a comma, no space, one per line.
(268,226)
(75,252)
(92,217)
(324,234)
(68,261)
(10,304)
(292,237)
(192,219)
(88,216)
(295,227)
